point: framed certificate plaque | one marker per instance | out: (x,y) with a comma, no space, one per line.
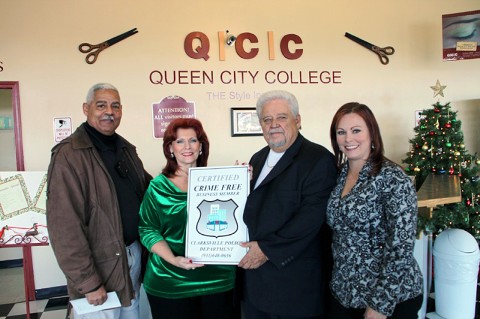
(215,227)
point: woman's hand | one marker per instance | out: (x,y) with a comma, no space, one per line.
(250,168)
(162,249)
(372,314)
(186,263)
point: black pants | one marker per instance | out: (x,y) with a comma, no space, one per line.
(215,306)
(250,312)
(404,310)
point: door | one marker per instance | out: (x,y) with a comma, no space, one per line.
(11,145)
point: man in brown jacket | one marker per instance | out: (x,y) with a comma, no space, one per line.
(96,183)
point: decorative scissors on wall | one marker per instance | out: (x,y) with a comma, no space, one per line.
(381,52)
(94,50)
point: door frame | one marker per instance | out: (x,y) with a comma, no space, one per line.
(17,121)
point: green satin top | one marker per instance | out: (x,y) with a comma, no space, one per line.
(163,216)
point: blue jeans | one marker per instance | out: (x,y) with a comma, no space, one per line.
(134,255)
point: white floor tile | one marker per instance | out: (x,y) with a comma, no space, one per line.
(35,307)
(55,314)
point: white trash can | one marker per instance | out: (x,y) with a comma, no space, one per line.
(456,259)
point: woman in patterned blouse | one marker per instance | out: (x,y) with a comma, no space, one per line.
(373,214)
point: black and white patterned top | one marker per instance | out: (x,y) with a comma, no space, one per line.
(374,229)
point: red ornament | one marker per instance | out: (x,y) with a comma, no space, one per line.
(451,171)
(436,110)
(432,133)
(469,202)
(448,125)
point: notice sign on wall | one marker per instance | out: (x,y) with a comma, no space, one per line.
(62,128)
(170,108)
(6,122)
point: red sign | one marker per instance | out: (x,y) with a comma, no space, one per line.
(170,108)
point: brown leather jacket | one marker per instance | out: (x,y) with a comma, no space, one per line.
(83,218)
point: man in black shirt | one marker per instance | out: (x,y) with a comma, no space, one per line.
(96,183)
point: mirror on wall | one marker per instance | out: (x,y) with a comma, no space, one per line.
(11,145)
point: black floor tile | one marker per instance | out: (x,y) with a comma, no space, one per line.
(57,304)
(5,309)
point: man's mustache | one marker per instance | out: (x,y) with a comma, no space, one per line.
(276,130)
(107,117)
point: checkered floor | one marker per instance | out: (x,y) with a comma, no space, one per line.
(54,308)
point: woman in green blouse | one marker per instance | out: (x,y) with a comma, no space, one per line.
(176,287)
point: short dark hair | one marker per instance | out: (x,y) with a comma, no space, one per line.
(170,135)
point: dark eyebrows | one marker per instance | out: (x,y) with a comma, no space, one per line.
(351,128)
(103,102)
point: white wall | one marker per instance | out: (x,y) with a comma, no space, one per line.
(40,41)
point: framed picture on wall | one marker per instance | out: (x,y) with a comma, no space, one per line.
(461,39)
(245,122)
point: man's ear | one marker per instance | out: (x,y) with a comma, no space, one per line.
(85,108)
(298,119)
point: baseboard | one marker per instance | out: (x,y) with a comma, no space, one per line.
(12,263)
(47,293)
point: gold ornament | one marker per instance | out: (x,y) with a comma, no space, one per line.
(438,89)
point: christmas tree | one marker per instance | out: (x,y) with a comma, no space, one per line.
(438,148)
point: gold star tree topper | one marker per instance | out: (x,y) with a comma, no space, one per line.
(438,89)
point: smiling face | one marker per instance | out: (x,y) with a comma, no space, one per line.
(279,126)
(104,113)
(353,138)
(186,147)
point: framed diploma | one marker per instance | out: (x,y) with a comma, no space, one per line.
(215,204)
(14,197)
(245,121)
